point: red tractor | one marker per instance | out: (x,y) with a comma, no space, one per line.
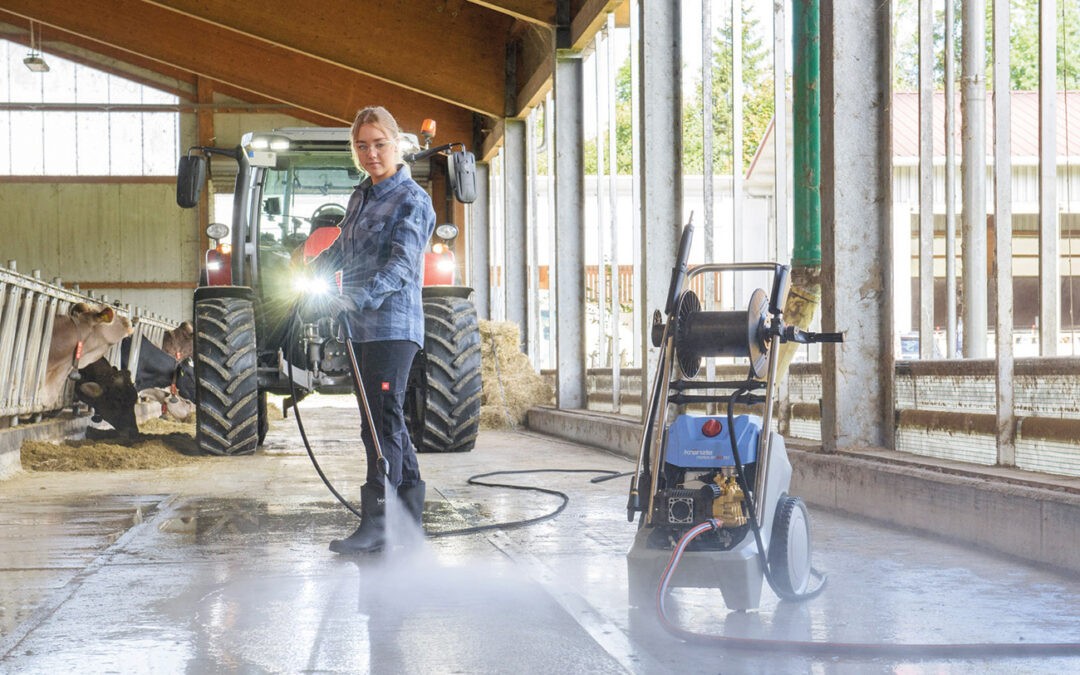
(290,184)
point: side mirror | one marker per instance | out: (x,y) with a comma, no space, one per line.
(272,206)
(190,176)
(462,170)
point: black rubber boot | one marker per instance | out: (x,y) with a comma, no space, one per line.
(371,535)
(413,499)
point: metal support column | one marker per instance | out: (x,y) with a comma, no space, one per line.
(479,243)
(739,282)
(782,249)
(1049,276)
(973,176)
(569,263)
(660,170)
(515,268)
(950,185)
(856,201)
(1003,292)
(926,180)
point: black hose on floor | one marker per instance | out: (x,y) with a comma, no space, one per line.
(514,524)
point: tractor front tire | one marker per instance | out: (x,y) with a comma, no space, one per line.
(226,381)
(443,400)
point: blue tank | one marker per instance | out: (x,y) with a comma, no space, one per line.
(703,441)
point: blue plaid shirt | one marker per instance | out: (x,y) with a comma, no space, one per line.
(381,248)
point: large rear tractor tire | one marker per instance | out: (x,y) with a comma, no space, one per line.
(442,405)
(226,381)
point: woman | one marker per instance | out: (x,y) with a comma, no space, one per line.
(381,252)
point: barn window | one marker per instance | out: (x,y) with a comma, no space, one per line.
(78,121)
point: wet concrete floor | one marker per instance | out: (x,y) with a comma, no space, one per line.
(222,566)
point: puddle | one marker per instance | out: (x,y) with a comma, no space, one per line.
(210,520)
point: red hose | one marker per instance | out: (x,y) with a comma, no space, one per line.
(840,648)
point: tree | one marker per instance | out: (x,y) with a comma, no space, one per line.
(757,100)
(1023,43)
(623,128)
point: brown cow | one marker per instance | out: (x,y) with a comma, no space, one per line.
(178,341)
(79,338)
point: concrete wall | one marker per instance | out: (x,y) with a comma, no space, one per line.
(998,510)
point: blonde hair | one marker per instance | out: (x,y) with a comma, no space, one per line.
(375,115)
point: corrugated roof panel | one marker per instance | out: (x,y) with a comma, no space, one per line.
(1024,124)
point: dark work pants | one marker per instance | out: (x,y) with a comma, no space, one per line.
(384,370)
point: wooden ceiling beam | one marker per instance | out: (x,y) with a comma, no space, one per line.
(590,20)
(537,52)
(456,53)
(539,13)
(241,62)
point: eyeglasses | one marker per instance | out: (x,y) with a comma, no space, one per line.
(379,147)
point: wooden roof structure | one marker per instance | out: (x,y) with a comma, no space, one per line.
(469,64)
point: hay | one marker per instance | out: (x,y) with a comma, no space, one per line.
(161,425)
(273,412)
(511,384)
(174,445)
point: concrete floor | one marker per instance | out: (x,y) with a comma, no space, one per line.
(222,566)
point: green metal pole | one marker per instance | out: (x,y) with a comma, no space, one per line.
(805,295)
(806,134)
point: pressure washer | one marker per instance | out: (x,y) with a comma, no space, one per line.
(728,472)
(710,492)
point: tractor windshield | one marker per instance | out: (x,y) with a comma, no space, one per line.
(301,193)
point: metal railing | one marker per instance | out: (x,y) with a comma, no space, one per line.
(28,308)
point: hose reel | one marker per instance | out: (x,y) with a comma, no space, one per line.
(700,334)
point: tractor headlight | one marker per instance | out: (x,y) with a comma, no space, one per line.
(447,231)
(308,285)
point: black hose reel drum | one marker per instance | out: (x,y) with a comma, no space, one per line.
(701,334)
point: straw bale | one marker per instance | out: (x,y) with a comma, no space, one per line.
(511,384)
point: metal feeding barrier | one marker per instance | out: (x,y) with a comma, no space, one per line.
(28,309)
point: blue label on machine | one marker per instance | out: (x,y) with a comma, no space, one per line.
(703,441)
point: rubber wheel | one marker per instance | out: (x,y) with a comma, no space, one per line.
(226,382)
(442,403)
(789,549)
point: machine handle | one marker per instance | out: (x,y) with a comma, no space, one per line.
(793,334)
(779,289)
(678,272)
